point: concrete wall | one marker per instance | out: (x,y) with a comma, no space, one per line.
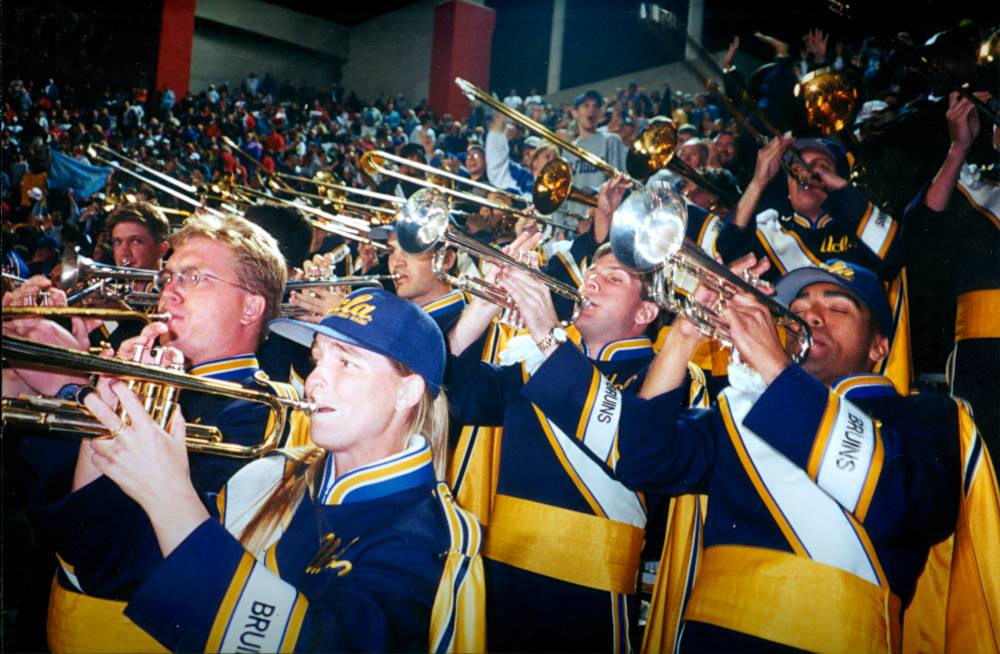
(233,38)
(652,79)
(392,53)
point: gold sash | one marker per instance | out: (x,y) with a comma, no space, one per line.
(567,545)
(794,601)
(81,623)
(978,315)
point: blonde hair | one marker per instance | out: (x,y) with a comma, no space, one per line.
(429,418)
(260,266)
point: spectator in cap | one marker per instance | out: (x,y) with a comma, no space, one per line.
(587,113)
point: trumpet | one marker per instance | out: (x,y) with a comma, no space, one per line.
(647,234)
(74,267)
(157,387)
(113,282)
(423,223)
(654,149)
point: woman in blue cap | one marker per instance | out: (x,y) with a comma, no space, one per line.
(347,544)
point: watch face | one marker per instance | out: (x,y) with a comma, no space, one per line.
(559,335)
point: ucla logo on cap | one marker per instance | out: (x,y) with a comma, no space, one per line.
(356,309)
(840,269)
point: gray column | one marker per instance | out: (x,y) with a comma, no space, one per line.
(556,46)
(696,21)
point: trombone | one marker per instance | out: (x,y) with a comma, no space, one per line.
(424,222)
(157,387)
(52,312)
(374,161)
(349,227)
(656,15)
(344,189)
(653,150)
(647,234)
(354,281)
(183,197)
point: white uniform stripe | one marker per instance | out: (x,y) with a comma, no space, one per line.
(618,502)
(818,521)
(261,617)
(877,230)
(844,467)
(602,424)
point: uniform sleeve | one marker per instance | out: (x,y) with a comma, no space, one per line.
(568,268)
(103,538)
(648,445)
(211,595)
(876,230)
(897,472)
(476,389)
(735,241)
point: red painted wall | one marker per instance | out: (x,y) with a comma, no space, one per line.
(463,36)
(173,65)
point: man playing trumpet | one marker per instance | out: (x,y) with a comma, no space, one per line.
(222,284)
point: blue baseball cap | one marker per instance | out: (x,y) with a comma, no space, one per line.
(589,95)
(380,322)
(829,147)
(861,283)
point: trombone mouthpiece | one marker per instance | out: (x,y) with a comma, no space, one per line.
(160,317)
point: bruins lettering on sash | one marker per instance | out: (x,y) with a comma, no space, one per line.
(255,631)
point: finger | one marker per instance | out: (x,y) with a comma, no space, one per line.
(133,407)
(178,426)
(104,413)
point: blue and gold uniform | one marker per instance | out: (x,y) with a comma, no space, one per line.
(563,541)
(837,501)
(377,559)
(853,229)
(446,310)
(966,256)
(73,610)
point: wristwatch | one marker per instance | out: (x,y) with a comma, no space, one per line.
(556,337)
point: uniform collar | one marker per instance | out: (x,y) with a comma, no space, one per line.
(445,303)
(624,349)
(228,369)
(805,222)
(408,469)
(864,386)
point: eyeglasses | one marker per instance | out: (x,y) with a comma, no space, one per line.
(189,278)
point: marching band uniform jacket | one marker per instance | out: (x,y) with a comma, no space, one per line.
(356,566)
(563,542)
(91,618)
(853,229)
(834,495)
